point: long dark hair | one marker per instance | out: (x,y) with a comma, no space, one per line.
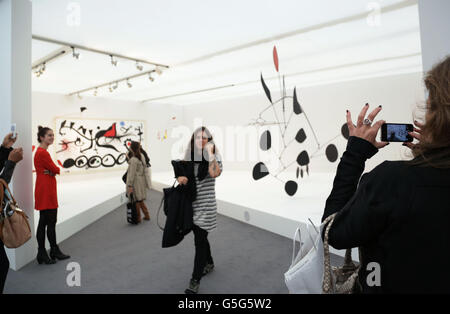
(135,148)
(192,153)
(434,146)
(42,131)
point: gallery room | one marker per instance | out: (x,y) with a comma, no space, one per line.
(175,147)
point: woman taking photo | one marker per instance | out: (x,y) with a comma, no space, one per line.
(45,198)
(138,179)
(207,166)
(398,214)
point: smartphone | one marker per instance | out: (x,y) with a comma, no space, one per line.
(13,130)
(396,132)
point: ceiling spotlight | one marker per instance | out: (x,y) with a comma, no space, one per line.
(158,70)
(110,88)
(95,92)
(116,84)
(79,96)
(75,54)
(129,84)
(40,70)
(113,60)
(150,77)
(139,66)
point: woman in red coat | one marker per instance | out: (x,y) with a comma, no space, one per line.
(46,199)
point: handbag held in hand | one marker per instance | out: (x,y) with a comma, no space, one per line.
(14,227)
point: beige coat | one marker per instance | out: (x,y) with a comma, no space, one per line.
(138,177)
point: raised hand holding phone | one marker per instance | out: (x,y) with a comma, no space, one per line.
(416,133)
(9,140)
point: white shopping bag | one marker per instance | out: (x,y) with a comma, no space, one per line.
(305,275)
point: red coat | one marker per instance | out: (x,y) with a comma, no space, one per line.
(45,196)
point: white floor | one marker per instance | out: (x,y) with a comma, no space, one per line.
(262,203)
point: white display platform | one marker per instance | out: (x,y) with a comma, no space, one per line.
(264,203)
(83,199)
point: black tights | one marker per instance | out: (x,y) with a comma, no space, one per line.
(202,252)
(47,218)
(4,266)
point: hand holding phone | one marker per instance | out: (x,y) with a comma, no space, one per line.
(9,140)
(416,133)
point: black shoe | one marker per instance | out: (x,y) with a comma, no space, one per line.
(193,287)
(208,268)
(55,253)
(42,257)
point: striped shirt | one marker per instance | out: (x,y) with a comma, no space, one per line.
(205,206)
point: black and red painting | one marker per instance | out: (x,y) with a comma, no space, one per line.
(83,144)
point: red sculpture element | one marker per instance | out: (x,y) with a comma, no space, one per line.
(275,57)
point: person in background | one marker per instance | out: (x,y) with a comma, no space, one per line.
(9,157)
(207,167)
(398,214)
(147,159)
(138,179)
(46,199)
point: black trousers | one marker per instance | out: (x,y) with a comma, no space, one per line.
(47,219)
(4,266)
(202,252)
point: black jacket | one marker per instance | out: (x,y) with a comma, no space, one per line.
(6,166)
(398,216)
(178,205)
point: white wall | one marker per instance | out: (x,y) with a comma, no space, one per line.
(434,24)
(15,95)
(325,106)
(47,106)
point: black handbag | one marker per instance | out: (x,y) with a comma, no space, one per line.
(132,211)
(124,177)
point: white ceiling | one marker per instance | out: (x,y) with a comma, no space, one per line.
(182,34)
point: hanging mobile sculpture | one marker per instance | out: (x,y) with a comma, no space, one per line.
(260,170)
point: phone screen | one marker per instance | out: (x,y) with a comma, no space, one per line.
(396,132)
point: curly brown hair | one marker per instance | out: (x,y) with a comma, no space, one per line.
(434,146)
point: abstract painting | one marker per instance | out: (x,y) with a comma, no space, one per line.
(84,144)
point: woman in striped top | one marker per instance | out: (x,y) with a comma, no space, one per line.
(207,166)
